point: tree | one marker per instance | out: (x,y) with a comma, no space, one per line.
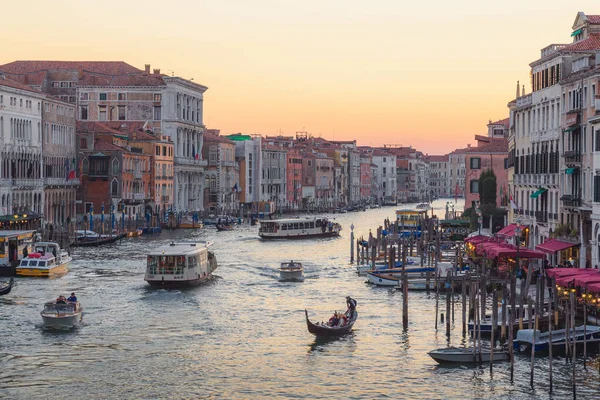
(487,189)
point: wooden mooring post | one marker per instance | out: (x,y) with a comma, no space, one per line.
(448,298)
(404,290)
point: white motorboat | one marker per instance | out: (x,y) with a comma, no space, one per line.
(180,264)
(299,228)
(62,315)
(467,356)
(362,269)
(48,260)
(291,271)
(415,281)
(541,341)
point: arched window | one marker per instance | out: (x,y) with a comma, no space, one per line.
(85,166)
(115,167)
(114,188)
(213,183)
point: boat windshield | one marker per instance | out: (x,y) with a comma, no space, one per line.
(60,308)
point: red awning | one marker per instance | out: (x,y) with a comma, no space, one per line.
(592,276)
(557,272)
(594,287)
(553,245)
(508,230)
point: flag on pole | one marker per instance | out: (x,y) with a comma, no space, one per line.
(72,170)
(235,188)
(193,152)
(513,205)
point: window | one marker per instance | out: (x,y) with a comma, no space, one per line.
(597,189)
(102,113)
(474,186)
(121,113)
(158,150)
(157,113)
(157,97)
(115,165)
(83,112)
(83,144)
(596,136)
(102,96)
(85,166)
(114,189)
(122,96)
(84,96)
(475,163)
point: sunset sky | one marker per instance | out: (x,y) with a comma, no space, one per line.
(424,73)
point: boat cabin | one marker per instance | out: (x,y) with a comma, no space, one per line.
(12,246)
(299,227)
(180,262)
(410,218)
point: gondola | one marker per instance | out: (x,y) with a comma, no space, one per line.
(97,242)
(225,227)
(6,287)
(324,330)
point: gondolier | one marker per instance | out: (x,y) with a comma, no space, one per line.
(351,303)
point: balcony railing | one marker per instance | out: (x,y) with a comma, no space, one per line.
(572,157)
(571,200)
(137,175)
(139,196)
(61,182)
(27,183)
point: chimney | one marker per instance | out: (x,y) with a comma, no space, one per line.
(523,90)
(80,72)
(518,90)
(147,68)
(156,71)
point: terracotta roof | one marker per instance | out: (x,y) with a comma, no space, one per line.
(4,81)
(380,152)
(115,128)
(499,145)
(103,145)
(208,138)
(592,42)
(100,67)
(503,122)
(121,80)
(443,158)
(593,19)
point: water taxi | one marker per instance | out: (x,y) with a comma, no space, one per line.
(62,315)
(180,264)
(411,218)
(298,228)
(48,260)
(291,271)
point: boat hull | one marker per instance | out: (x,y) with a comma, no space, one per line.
(291,276)
(176,284)
(6,287)
(53,272)
(305,236)
(466,356)
(61,321)
(99,242)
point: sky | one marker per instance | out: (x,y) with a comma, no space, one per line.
(427,74)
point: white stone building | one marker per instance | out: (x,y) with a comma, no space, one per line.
(386,175)
(273,175)
(21,184)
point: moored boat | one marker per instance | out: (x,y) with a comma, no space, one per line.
(85,238)
(327,330)
(298,228)
(526,338)
(48,260)
(6,287)
(180,264)
(62,315)
(461,355)
(291,271)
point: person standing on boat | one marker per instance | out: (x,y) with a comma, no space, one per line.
(351,306)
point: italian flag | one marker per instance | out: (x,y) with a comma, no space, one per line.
(72,170)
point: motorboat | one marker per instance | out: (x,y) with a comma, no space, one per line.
(362,269)
(225,226)
(48,260)
(62,315)
(86,238)
(291,271)
(466,355)
(416,279)
(6,287)
(180,264)
(188,222)
(299,228)
(541,341)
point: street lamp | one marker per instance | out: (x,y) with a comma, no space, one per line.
(518,239)
(480,222)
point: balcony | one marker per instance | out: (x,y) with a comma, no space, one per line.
(61,182)
(190,161)
(572,157)
(541,216)
(139,196)
(137,175)
(27,183)
(571,200)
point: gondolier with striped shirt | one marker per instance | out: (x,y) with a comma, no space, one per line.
(351,306)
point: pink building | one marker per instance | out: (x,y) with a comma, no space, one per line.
(365,176)
(489,153)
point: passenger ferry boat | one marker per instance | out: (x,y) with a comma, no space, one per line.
(48,260)
(180,264)
(298,228)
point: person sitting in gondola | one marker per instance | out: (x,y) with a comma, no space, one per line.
(334,320)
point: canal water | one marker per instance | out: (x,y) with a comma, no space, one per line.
(243,335)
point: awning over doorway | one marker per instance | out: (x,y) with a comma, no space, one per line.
(553,245)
